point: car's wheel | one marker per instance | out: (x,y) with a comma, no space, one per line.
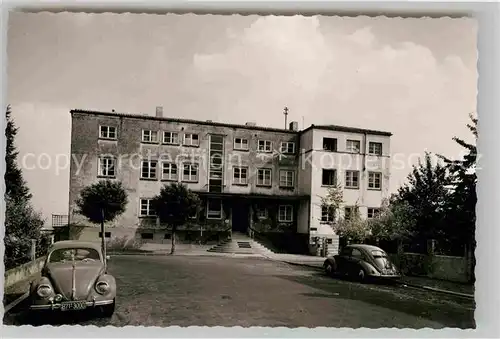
(329,270)
(108,310)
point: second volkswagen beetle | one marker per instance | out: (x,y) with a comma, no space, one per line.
(361,262)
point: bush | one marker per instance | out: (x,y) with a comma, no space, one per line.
(22,224)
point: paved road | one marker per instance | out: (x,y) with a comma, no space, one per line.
(211,291)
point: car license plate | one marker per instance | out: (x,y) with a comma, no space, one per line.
(73,305)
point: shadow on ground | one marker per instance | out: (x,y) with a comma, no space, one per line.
(10,297)
(20,315)
(389,295)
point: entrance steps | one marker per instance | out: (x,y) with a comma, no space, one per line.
(240,244)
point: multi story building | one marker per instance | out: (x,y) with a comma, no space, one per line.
(356,160)
(251,179)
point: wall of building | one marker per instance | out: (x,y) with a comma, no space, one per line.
(130,151)
(315,159)
(305,169)
(306,162)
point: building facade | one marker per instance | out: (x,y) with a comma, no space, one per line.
(357,161)
(251,179)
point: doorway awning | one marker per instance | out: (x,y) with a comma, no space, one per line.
(252,196)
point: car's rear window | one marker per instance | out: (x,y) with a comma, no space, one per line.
(79,254)
(379,254)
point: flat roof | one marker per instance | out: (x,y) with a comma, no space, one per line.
(186,121)
(347,129)
(221,124)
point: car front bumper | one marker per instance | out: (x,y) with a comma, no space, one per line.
(71,305)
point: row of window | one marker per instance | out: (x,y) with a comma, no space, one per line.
(190,172)
(328,213)
(193,139)
(329,178)
(352,146)
(214,210)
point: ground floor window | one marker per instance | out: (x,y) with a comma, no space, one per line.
(350,212)
(285,213)
(193,215)
(262,212)
(167,236)
(146,236)
(106,234)
(146,208)
(373,212)
(214,209)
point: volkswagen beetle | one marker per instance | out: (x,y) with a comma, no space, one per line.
(74,277)
(361,262)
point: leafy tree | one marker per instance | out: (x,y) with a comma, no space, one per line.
(22,223)
(333,199)
(395,222)
(174,206)
(461,207)
(353,228)
(425,195)
(102,202)
(15,186)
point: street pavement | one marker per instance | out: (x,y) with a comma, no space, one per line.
(221,291)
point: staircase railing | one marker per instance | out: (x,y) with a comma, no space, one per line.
(202,241)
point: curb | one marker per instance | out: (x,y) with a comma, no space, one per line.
(201,254)
(292,263)
(423,287)
(302,265)
(428,288)
(128,253)
(16,302)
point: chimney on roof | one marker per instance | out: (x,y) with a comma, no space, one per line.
(159,111)
(294,126)
(250,123)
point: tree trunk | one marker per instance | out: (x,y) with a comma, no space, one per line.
(172,250)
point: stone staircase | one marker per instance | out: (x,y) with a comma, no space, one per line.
(240,244)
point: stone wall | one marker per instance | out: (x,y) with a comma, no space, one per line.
(22,272)
(437,267)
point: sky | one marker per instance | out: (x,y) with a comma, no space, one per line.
(416,78)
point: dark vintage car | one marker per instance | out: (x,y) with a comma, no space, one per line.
(74,277)
(361,262)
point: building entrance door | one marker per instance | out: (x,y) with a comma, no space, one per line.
(240,215)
